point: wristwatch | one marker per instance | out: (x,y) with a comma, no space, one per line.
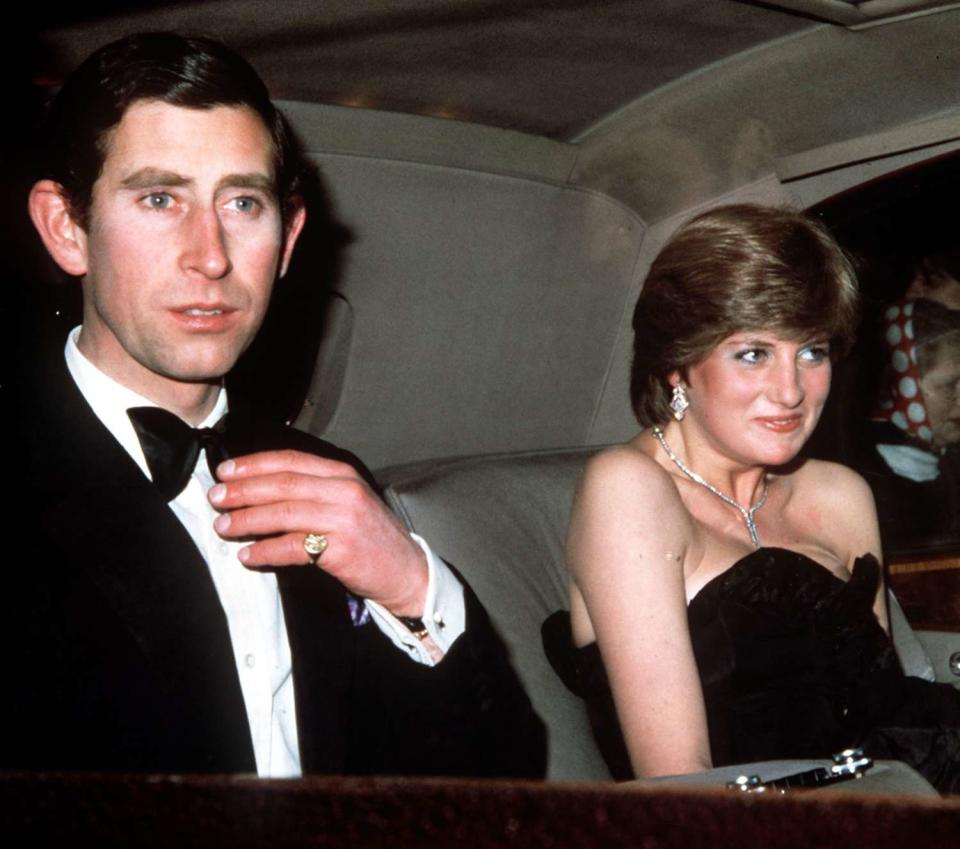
(414,624)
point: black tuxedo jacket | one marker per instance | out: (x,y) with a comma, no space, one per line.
(122,657)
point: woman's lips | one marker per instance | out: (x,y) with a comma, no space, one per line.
(781,424)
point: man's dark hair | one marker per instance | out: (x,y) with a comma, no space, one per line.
(194,72)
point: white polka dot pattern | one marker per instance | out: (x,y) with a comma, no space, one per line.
(904,405)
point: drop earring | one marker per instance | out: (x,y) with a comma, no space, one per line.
(679,402)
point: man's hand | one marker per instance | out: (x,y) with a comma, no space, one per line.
(281,496)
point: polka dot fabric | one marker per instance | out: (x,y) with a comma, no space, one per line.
(903,405)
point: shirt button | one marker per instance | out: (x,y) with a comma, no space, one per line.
(438,619)
(250,661)
(224,550)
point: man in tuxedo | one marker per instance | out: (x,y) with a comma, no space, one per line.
(208,592)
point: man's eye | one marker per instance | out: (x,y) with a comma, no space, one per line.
(244,204)
(158,200)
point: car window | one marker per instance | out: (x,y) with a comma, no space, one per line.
(894,414)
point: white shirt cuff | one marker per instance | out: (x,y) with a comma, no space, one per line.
(444,614)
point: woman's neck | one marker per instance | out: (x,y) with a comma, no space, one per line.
(743,483)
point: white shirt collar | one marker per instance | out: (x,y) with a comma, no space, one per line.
(111,400)
(911,462)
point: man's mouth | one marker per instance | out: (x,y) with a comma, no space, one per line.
(194,311)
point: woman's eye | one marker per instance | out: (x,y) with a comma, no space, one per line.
(751,355)
(815,353)
(158,200)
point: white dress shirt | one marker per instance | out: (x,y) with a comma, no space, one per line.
(250,598)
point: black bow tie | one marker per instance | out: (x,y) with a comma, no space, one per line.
(171,447)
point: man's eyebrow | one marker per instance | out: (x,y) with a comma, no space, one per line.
(147,178)
(259,182)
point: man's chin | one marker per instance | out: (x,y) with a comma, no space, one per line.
(212,376)
(209,374)
(193,364)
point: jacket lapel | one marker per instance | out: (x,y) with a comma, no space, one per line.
(322,644)
(141,559)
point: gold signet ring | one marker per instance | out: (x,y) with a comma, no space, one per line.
(315,545)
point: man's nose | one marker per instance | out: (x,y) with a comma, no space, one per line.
(205,247)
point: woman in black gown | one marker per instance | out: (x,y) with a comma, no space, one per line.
(732,588)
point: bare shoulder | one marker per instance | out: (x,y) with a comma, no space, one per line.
(628,505)
(625,469)
(833,483)
(843,503)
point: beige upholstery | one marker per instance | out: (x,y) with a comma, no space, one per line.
(466,291)
(501,520)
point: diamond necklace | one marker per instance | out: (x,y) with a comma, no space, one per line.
(747,513)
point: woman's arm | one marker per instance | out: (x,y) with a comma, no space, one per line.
(628,540)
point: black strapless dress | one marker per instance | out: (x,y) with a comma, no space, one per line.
(793,664)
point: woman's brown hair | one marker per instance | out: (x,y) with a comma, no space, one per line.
(732,269)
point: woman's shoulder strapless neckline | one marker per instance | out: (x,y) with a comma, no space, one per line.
(780,571)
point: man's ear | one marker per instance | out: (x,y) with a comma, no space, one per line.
(291,232)
(65,240)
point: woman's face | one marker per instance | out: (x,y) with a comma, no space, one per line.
(757,397)
(941,393)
